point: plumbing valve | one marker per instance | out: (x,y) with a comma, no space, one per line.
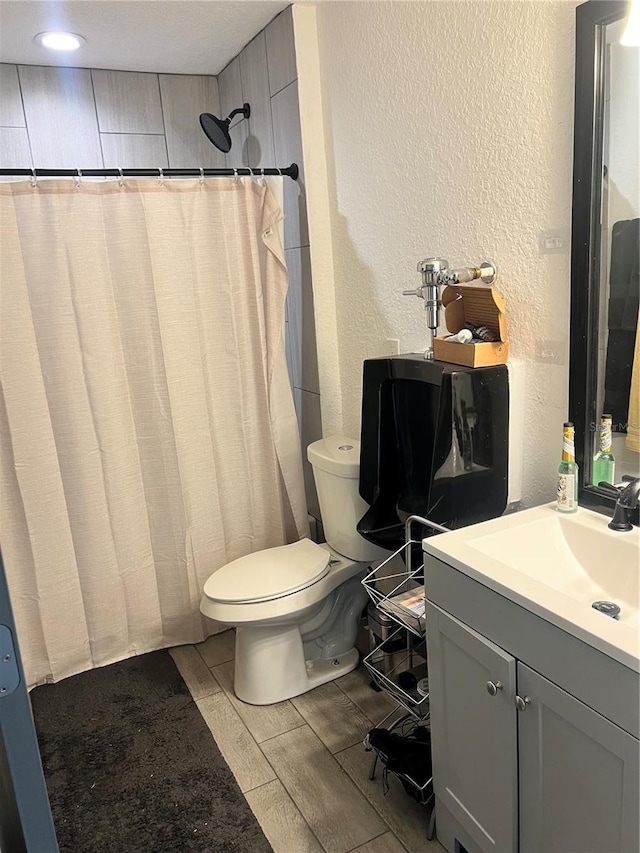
(435,272)
(431,269)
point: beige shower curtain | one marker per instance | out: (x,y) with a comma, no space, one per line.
(148,434)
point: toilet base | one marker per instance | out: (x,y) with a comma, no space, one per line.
(270,665)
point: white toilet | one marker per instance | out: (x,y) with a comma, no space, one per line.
(296,607)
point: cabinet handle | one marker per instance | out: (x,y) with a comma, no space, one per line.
(520,703)
(493,687)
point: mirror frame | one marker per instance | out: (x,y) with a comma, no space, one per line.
(591,20)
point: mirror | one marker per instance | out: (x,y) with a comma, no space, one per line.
(605,284)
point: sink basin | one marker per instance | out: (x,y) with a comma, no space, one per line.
(575,554)
(558,566)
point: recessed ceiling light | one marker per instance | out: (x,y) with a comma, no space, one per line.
(59,40)
(631,35)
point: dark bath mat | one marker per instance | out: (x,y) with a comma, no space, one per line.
(131,766)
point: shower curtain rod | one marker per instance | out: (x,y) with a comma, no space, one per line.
(291,171)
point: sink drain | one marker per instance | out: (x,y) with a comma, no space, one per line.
(607,607)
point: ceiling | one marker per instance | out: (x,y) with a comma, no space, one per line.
(172,36)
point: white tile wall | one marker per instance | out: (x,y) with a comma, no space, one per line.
(255,90)
(127,102)
(288,149)
(302,336)
(307,407)
(281,51)
(184,98)
(265,75)
(134,151)
(231,90)
(14,148)
(238,156)
(61,119)
(79,118)
(11,112)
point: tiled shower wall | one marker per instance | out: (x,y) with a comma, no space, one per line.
(67,118)
(55,117)
(264,75)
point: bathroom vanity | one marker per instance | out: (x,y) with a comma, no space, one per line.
(534,694)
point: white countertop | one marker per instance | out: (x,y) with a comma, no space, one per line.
(555,566)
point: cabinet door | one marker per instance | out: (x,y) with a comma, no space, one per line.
(578,775)
(473,740)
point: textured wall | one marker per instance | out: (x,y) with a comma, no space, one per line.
(448,131)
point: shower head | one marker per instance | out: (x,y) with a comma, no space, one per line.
(217,129)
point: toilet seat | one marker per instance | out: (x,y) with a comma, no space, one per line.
(269,574)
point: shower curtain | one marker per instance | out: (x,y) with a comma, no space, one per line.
(147,428)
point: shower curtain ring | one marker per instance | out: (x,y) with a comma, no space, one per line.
(34,179)
(121,178)
(201,176)
(78,178)
(160,176)
(235,174)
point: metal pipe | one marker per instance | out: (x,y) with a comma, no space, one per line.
(436,273)
(407,534)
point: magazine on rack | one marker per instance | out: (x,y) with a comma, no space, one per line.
(407,606)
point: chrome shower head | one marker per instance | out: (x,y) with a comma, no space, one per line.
(217,129)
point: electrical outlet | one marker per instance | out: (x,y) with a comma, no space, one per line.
(554,242)
(391,346)
(551,352)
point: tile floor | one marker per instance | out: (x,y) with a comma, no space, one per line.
(301,763)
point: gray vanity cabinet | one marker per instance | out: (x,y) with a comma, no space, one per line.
(549,776)
(578,774)
(474,746)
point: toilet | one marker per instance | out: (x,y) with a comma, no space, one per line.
(296,607)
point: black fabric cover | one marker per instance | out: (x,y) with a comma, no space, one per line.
(406,754)
(624,295)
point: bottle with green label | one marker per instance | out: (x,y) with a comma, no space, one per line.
(604,464)
(567,497)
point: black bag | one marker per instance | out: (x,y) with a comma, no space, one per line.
(405,754)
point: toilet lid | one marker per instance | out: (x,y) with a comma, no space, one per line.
(269,574)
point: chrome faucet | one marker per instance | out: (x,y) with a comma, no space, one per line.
(626,504)
(436,273)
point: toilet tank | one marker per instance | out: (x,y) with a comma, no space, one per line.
(336,471)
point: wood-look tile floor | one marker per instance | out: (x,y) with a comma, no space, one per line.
(301,764)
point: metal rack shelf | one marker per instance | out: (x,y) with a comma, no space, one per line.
(387,587)
(412,665)
(393,592)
